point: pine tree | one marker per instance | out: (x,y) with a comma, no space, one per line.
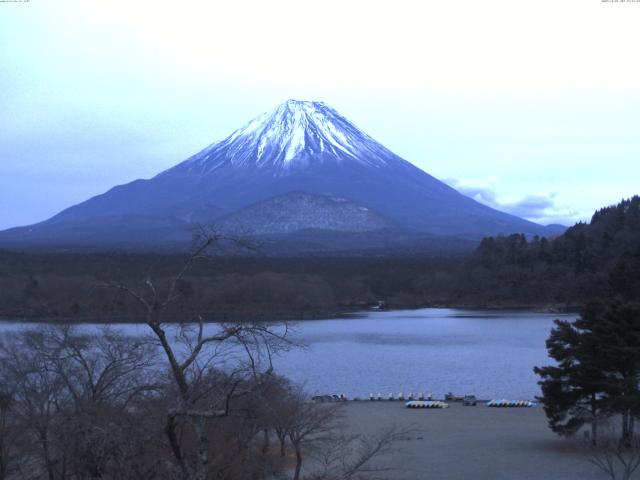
(598,368)
(572,391)
(615,327)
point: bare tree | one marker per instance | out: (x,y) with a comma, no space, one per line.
(194,352)
(104,375)
(310,426)
(10,434)
(357,457)
(39,398)
(72,395)
(618,459)
(316,433)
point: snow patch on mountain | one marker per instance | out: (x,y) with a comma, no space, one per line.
(296,211)
(297,133)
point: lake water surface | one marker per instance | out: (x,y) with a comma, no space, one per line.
(488,353)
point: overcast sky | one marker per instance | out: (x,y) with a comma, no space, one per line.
(532,106)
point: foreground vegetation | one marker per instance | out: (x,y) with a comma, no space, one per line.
(597,370)
(595,381)
(183,402)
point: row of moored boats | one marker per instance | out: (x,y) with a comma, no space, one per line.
(491,403)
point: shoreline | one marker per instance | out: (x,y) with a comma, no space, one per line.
(302,316)
(220,318)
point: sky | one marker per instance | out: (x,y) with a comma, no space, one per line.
(531,107)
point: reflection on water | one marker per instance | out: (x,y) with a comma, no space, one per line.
(491,354)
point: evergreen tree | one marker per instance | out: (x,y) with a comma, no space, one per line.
(598,368)
(572,390)
(624,279)
(615,328)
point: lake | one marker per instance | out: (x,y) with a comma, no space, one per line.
(487,353)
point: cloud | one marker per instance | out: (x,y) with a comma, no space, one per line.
(544,209)
(480,189)
(533,206)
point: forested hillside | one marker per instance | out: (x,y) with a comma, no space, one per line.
(570,269)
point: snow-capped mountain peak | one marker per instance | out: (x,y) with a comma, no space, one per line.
(249,180)
(296,134)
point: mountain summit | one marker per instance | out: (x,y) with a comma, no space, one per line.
(316,168)
(294,135)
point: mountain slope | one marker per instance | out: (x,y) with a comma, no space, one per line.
(301,146)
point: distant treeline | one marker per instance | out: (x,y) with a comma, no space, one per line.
(571,269)
(510,271)
(71,285)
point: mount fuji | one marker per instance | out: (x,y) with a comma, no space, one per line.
(300,169)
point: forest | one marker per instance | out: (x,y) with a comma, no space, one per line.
(569,270)
(561,273)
